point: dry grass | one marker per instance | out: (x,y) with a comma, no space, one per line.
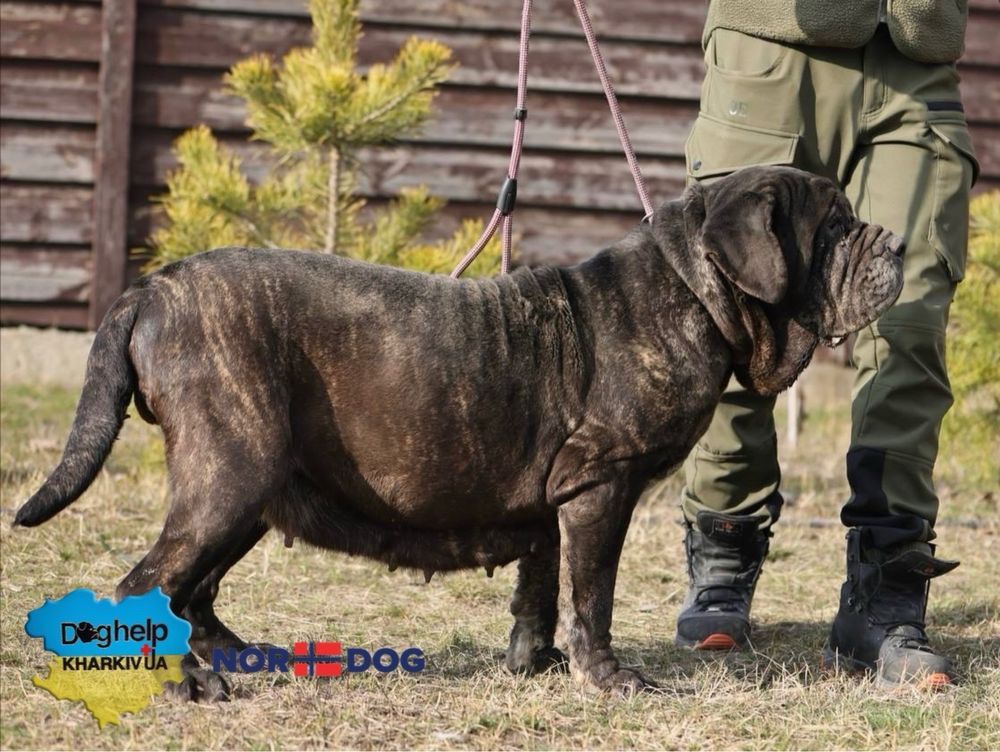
(774,697)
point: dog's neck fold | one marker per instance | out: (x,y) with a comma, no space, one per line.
(780,351)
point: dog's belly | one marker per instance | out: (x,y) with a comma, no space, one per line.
(325,518)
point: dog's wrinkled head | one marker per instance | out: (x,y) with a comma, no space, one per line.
(799,265)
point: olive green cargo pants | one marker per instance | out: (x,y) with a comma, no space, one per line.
(892,133)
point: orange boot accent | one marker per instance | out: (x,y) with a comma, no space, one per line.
(717,641)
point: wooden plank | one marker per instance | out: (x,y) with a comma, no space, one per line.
(618,19)
(623,20)
(632,20)
(629,21)
(169,37)
(64,316)
(53,153)
(177,98)
(556,64)
(981,34)
(547,178)
(560,122)
(542,235)
(111,179)
(980,93)
(598,181)
(41,274)
(986,142)
(180,97)
(50,31)
(53,92)
(46,214)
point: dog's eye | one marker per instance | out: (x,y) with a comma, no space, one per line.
(837,227)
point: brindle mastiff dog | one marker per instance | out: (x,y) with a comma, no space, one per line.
(440,424)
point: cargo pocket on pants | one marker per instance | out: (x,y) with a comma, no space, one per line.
(956,170)
(715,148)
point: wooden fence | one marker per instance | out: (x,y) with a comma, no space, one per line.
(93,95)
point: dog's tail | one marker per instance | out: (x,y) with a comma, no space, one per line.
(107,388)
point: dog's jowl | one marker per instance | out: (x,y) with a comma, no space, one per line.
(442,424)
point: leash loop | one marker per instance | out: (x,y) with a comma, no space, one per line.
(508,192)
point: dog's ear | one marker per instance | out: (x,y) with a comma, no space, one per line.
(739,238)
(693,200)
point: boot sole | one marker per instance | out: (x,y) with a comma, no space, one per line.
(833,659)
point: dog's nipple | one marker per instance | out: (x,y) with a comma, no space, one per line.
(289,540)
(428,573)
(489,571)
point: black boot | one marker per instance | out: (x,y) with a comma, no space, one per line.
(725,554)
(880,624)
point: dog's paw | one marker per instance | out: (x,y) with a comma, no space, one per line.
(627,682)
(198,685)
(529,661)
(550,659)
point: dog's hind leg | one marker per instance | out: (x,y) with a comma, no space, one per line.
(535,609)
(207,630)
(220,481)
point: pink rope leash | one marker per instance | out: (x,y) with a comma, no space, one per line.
(616,111)
(508,192)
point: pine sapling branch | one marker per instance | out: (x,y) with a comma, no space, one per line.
(422,83)
(332,199)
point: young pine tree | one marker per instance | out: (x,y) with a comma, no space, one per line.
(315,112)
(970,439)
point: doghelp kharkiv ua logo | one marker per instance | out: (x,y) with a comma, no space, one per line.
(114,657)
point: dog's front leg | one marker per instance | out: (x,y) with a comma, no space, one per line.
(592,529)
(535,608)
